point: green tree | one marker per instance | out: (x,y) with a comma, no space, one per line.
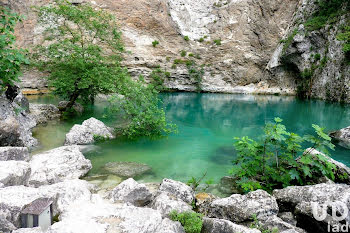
(83,53)
(278,159)
(138,106)
(11,58)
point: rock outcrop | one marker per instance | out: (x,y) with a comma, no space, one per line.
(14,173)
(302,199)
(101,216)
(42,113)
(56,165)
(15,122)
(239,208)
(342,136)
(87,133)
(313,59)
(14,153)
(212,225)
(130,191)
(177,189)
(165,202)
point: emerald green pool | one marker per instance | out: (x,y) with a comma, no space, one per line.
(207,124)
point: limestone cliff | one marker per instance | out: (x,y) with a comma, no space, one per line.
(244,58)
(248,30)
(311,56)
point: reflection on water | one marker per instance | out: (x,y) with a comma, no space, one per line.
(207,125)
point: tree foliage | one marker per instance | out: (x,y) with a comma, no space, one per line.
(82,50)
(278,159)
(11,58)
(139,107)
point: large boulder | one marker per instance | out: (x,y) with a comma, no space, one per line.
(166,202)
(100,216)
(14,173)
(131,192)
(342,136)
(177,189)
(14,199)
(15,122)
(215,225)
(42,113)
(59,164)
(126,169)
(240,208)
(301,199)
(88,132)
(14,153)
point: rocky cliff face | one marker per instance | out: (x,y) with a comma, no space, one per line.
(311,57)
(246,32)
(249,31)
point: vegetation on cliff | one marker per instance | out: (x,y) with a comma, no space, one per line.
(11,58)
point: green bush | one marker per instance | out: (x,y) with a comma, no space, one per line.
(155,43)
(11,58)
(217,42)
(201,39)
(158,77)
(195,73)
(317,56)
(278,159)
(191,221)
(183,53)
(186,38)
(345,36)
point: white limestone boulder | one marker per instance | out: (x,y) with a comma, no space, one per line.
(130,191)
(14,173)
(88,132)
(177,189)
(56,165)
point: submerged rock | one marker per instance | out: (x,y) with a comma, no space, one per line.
(14,153)
(300,199)
(14,173)
(42,113)
(15,122)
(177,189)
(215,225)
(130,191)
(342,136)
(126,169)
(240,208)
(88,132)
(57,165)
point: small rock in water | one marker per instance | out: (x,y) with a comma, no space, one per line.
(127,169)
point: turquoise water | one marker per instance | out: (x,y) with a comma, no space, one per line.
(207,124)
